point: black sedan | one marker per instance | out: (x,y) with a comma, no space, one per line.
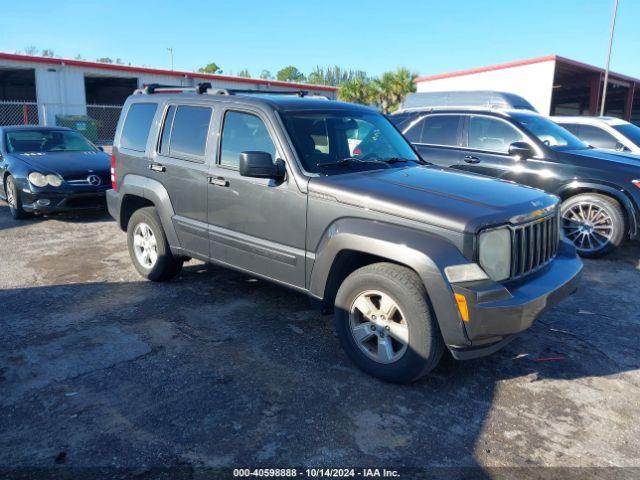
(51,169)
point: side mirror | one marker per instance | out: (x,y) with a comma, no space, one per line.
(522,150)
(101,148)
(260,165)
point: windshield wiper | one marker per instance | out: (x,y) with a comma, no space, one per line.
(404,160)
(348,160)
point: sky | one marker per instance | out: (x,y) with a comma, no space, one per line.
(426,36)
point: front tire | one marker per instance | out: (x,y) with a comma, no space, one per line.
(384,323)
(596,224)
(148,247)
(13,199)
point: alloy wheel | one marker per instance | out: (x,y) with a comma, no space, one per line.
(11,199)
(145,245)
(588,226)
(378,326)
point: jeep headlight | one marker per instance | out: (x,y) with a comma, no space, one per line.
(494,247)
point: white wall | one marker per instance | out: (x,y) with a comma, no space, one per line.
(534,82)
(60,88)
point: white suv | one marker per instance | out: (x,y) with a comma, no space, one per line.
(608,133)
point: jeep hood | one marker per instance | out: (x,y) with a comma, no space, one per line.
(454,200)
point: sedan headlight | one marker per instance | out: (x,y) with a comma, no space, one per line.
(40,180)
(37,179)
(494,248)
(54,180)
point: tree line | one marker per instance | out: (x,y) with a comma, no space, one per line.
(386,91)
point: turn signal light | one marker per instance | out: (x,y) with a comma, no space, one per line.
(461,300)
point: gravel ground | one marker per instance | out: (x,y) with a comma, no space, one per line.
(99,368)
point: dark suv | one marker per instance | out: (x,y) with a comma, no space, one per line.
(329,199)
(599,190)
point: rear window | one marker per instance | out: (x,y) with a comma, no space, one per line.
(137,125)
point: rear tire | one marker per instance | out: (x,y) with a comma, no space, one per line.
(148,247)
(397,339)
(13,199)
(595,223)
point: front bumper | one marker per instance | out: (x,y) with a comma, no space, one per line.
(497,313)
(62,201)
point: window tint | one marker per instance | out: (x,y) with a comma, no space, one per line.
(189,131)
(137,125)
(440,130)
(244,132)
(492,135)
(166,130)
(597,137)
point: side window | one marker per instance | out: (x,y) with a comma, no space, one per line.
(597,137)
(441,130)
(137,125)
(493,135)
(572,127)
(189,130)
(166,130)
(243,132)
(414,132)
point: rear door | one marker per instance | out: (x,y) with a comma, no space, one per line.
(486,151)
(255,224)
(437,137)
(178,162)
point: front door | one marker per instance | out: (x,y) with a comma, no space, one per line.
(255,224)
(178,162)
(486,151)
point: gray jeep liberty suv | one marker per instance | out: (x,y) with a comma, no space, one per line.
(328,198)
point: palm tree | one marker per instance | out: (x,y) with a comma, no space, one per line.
(392,87)
(357,90)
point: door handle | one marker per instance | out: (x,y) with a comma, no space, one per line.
(471,159)
(219,181)
(156,167)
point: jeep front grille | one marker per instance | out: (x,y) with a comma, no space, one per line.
(533,245)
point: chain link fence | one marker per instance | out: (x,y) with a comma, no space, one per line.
(19,113)
(96,122)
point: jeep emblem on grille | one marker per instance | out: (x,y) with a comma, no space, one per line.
(94,180)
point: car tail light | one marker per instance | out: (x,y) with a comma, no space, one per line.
(114,183)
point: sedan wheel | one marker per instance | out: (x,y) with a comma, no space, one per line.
(594,223)
(13,199)
(588,226)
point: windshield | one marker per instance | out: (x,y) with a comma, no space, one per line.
(549,133)
(333,142)
(629,130)
(31,141)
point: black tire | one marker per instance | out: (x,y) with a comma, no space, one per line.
(15,206)
(166,266)
(425,345)
(613,222)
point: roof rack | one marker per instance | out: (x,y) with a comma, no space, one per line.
(206,88)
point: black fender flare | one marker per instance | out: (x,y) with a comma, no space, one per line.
(616,192)
(155,192)
(425,253)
